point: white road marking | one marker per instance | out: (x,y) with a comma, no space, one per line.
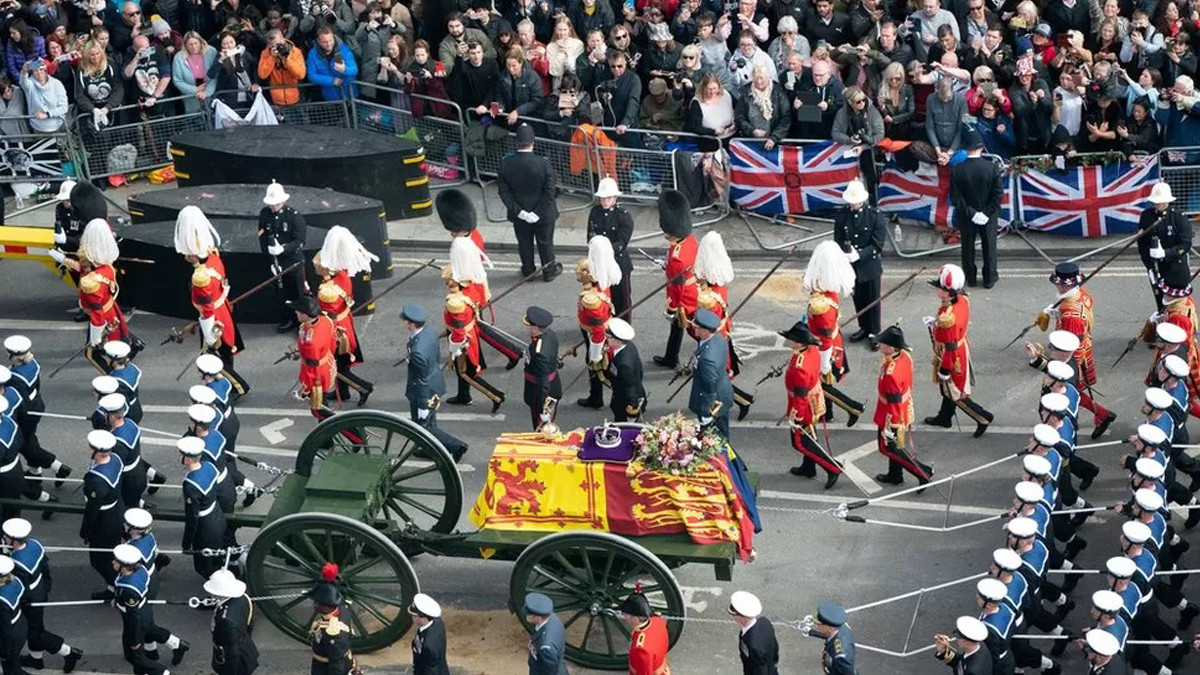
(890,504)
(34,324)
(855,474)
(284,412)
(690,593)
(272,431)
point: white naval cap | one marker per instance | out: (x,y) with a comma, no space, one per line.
(1158,398)
(1036,465)
(1022,527)
(101,440)
(744,603)
(1148,468)
(202,395)
(209,364)
(992,590)
(1120,567)
(971,628)
(1055,402)
(1029,492)
(5,374)
(6,566)
(1006,559)
(1060,370)
(1102,642)
(204,414)
(1046,435)
(190,446)
(1175,365)
(17,344)
(1135,532)
(138,519)
(1107,601)
(424,605)
(1170,333)
(1064,341)
(1148,500)
(105,384)
(116,349)
(1151,435)
(17,528)
(127,555)
(114,403)
(620,329)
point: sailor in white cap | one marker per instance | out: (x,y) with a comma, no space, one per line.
(757,646)
(200,425)
(1001,621)
(1103,651)
(128,448)
(1172,373)
(1136,543)
(860,231)
(281,235)
(140,635)
(102,385)
(225,422)
(102,524)
(204,524)
(429,640)
(11,434)
(12,478)
(1022,538)
(1106,612)
(128,374)
(624,372)
(234,651)
(609,219)
(13,627)
(1170,338)
(138,523)
(26,379)
(32,567)
(972,657)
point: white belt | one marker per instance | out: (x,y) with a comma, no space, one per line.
(221,476)
(108,506)
(33,394)
(35,582)
(129,467)
(16,617)
(10,466)
(208,510)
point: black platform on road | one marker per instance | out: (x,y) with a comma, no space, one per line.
(386,168)
(321,208)
(164,286)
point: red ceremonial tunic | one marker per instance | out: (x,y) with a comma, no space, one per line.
(460,317)
(802,380)
(335,296)
(316,344)
(476,237)
(823,313)
(98,291)
(950,347)
(894,406)
(1182,313)
(210,297)
(594,310)
(1075,316)
(648,648)
(480,294)
(681,291)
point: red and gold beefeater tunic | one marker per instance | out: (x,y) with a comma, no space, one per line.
(894,405)
(802,379)
(951,351)
(461,320)
(210,297)
(681,283)
(98,291)
(648,648)
(1075,317)
(318,368)
(823,312)
(336,298)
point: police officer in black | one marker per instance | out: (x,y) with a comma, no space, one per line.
(610,220)
(1164,251)
(68,228)
(543,389)
(281,232)
(859,230)
(429,641)
(527,188)
(234,651)
(838,655)
(624,372)
(976,193)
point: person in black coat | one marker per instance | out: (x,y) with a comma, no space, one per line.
(976,191)
(757,647)
(234,651)
(281,234)
(620,98)
(236,73)
(609,219)
(592,65)
(543,388)
(518,91)
(527,188)
(1164,252)
(859,230)
(624,372)
(429,640)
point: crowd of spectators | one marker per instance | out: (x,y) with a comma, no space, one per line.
(1059,77)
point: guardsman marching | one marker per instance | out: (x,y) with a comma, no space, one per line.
(101,527)
(197,241)
(952,351)
(138,535)
(140,635)
(610,220)
(429,640)
(894,409)
(234,651)
(128,374)
(675,220)
(1074,315)
(714,272)
(204,524)
(1179,308)
(425,386)
(1104,654)
(316,343)
(13,627)
(457,213)
(329,636)
(281,234)
(128,448)
(972,656)
(861,233)
(543,388)
(547,641)
(828,278)
(838,656)
(712,392)
(461,316)
(757,646)
(342,256)
(624,372)
(806,404)
(32,567)
(648,640)
(98,290)
(1164,252)
(27,379)
(102,385)
(597,274)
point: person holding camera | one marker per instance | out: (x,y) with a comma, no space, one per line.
(236,73)
(592,65)
(334,14)
(1144,46)
(564,51)
(620,98)
(566,108)
(746,17)
(859,125)
(45,98)
(454,48)
(1139,132)
(662,57)
(148,69)
(281,67)
(743,62)
(661,109)
(1178,113)
(331,65)
(763,111)
(789,41)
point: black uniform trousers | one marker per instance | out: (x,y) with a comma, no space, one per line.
(33,452)
(12,638)
(347,379)
(240,386)
(453,445)
(622,296)
(987,240)
(866,291)
(541,233)
(12,486)
(138,628)
(290,287)
(40,639)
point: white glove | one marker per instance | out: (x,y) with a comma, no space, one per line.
(1158,253)
(95,335)
(456,348)
(1051,311)
(275,270)
(980,218)
(1060,163)
(544,418)
(60,237)
(595,351)
(1153,276)
(888,434)
(928,321)
(1156,317)
(422,413)
(208,329)
(852,256)
(57,255)
(827,361)
(705,421)
(275,249)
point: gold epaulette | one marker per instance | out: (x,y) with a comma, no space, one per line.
(329,292)
(590,298)
(201,276)
(91,282)
(945,317)
(456,303)
(819,303)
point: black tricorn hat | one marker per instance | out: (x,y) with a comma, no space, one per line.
(88,202)
(674,214)
(799,333)
(456,210)
(635,605)
(893,337)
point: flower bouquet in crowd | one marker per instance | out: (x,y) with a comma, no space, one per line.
(675,445)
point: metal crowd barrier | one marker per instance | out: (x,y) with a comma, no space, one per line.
(441,136)
(1180,168)
(143,142)
(310,109)
(30,160)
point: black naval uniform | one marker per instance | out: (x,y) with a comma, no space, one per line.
(1173,233)
(429,649)
(13,628)
(978,662)
(234,651)
(288,229)
(628,393)
(12,474)
(617,225)
(137,622)
(976,186)
(541,375)
(69,224)
(103,514)
(32,567)
(204,523)
(863,230)
(758,649)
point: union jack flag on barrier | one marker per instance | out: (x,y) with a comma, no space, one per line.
(926,197)
(1088,201)
(789,178)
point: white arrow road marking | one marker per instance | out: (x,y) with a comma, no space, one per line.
(271,431)
(855,474)
(690,593)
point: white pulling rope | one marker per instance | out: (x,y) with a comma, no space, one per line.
(903,596)
(239,489)
(893,495)
(1104,444)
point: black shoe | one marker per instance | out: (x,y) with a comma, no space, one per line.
(1074,547)
(551,271)
(80,316)
(936,421)
(1193,518)
(1071,582)
(1187,616)
(971,283)
(460,399)
(831,479)
(526,271)
(802,472)
(1086,481)
(363,396)
(1054,669)
(989,284)
(1176,655)
(1103,426)
(852,420)
(743,410)
(662,362)
(496,405)
(178,653)
(888,480)
(1062,612)
(873,344)
(151,654)
(1060,647)
(828,416)
(251,496)
(979,429)
(857,336)
(103,595)
(28,661)
(589,402)
(63,472)
(162,561)
(154,483)
(71,659)
(513,363)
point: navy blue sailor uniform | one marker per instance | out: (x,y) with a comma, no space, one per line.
(129,379)
(32,567)
(147,545)
(1000,626)
(229,426)
(27,377)
(204,521)
(214,453)
(103,514)
(12,475)
(133,473)
(138,628)
(99,420)
(13,627)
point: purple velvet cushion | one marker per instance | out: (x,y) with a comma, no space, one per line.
(622,452)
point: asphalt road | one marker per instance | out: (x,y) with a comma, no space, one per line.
(805,554)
